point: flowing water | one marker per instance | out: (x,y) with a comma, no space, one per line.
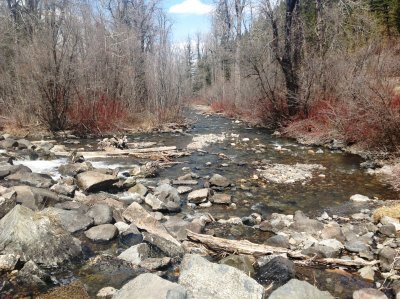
(242,147)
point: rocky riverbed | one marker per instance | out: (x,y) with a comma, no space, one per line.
(164,222)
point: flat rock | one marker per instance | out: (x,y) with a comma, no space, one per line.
(67,190)
(24,232)
(369,293)
(37,180)
(204,279)
(70,220)
(102,233)
(156,232)
(356,246)
(299,290)
(219,181)
(198,196)
(221,198)
(185,182)
(35,198)
(73,169)
(135,254)
(184,189)
(95,181)
(101,214)
(150,286)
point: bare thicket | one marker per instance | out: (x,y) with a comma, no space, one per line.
(87,66)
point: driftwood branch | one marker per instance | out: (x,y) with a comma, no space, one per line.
(248,248)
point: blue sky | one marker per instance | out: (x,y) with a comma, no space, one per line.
(188,17)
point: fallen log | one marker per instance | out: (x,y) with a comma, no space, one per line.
(116,152)
(248,248)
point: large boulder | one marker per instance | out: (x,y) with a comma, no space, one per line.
(156,233)
(7,203)
(34,236)
(204,279)
(299,290)
(150,286)
(70,220)
(95,181)
(35,198)
(73,169)
(33,179)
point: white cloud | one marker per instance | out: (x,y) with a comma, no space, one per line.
(191,7)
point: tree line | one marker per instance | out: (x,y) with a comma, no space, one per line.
(326,69)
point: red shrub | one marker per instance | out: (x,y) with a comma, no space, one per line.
(99,116)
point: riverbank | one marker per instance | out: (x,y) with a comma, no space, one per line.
(126,222)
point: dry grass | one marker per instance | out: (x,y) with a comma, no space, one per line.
(391,211)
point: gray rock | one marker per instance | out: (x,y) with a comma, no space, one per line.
(106,293)
(24,232)
(369,293)
(70,220)
(184,182)
(177,227)
(356,246)
(333,243)
(221,198)
(152,264)
(8,262)
(278,241)
(128,197)
(333,231)
(184,189)
(198,196)
(121,226)
(102,233)
(204,279)
(242,262)
(8,143)
(154,203)
(386,258)
(136,254)
(359,198)
(139,188)
(219,181)
(150,286)
(279,270)
(299,290)
(32,276)
(156,232)
(166,193)
(35,198)
(95,181)
(321,251)
(67,190)
(72,205)
(73,169)
(304,224)
(7,203)
(367,273)
(388,230)
(101,214)
(37,180)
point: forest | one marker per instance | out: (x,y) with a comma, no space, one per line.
(316,70)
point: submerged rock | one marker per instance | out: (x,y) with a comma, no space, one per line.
(150,286)
(204,279)
(299,290)
(35,236)
(219,181)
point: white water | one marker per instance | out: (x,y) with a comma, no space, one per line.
(43,166)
